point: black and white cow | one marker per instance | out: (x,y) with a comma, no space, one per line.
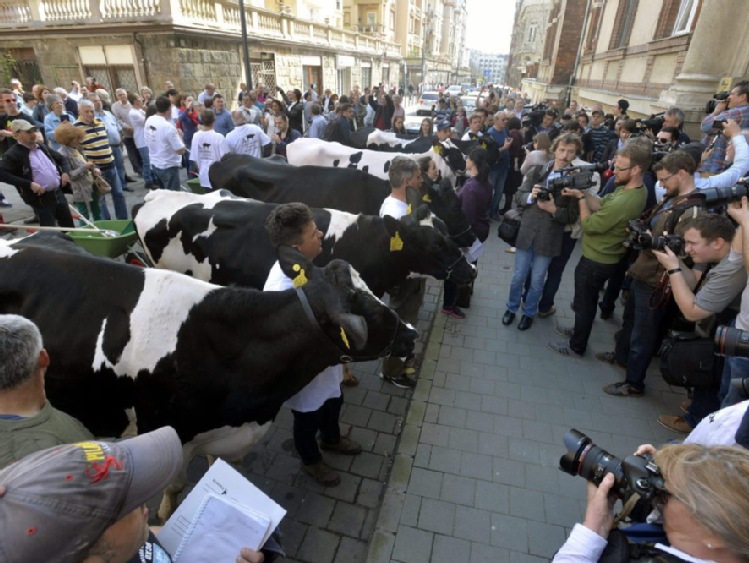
(344,189)
(208,360)
(449,161)
(222,239)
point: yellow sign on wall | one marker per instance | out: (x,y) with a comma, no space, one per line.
(725,84)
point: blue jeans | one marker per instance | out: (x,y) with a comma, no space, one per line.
(640,331)
(118,198)
(527,261)
(555,272)
(119,163)
(704,402)
(168,177)
(497,177)
(146,159)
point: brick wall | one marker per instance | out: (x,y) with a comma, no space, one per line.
(571,21)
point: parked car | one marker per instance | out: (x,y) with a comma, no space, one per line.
(426,102)
(455,90)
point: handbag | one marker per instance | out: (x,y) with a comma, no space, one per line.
(688,360)
(509,226)
(102,186)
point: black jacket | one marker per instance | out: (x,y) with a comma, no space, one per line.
(15,169)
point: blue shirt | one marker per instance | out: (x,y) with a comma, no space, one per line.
(499,137)
(112,126)
(52,122)
(224,124)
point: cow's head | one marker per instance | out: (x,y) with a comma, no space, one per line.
(444,203)
(358,323)
(430,252)
(452,157)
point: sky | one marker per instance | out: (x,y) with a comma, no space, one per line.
(490,25)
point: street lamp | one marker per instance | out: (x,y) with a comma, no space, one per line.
(245,46)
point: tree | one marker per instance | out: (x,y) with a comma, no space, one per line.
(7,64)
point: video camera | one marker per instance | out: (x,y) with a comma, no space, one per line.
(654,122)
(715,197)
(719,97)
(635,474)
(639,238)
(581,180)
(534,114)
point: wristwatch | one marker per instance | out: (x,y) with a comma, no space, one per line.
(673,271)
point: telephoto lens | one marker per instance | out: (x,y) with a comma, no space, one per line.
(731,341)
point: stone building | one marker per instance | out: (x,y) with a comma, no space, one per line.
(292,43)
(529,32)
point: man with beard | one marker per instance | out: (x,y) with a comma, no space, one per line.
(604,223)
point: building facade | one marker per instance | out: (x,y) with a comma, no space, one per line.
(488,68)
(529,32)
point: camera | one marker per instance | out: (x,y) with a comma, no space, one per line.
(714,197)
(579,181)
(632,475)
(731,341)
(640,239)
(534,114)
(719,97)
(654,122)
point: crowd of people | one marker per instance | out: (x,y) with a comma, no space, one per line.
(537,165)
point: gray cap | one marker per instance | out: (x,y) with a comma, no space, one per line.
(59,501)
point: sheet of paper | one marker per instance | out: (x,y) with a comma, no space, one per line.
(219,530)
(221,480)
(475,252)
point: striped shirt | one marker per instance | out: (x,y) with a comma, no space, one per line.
(95,145)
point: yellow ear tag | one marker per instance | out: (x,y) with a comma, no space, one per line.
(408,209)
(345,338)
(437,149)
(301,279)
(396,243)
(426,199)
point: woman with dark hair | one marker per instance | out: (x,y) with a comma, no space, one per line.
(294,108)
(517,155)
(427,128)
(475,197)
(399,127)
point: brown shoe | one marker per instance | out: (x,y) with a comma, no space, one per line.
(345,446)
(609,358)
(674,423)
(349,379)
(685,404)
(323,474)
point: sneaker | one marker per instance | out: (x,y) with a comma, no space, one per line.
(345,446)
(128,189)
(609,358)
(454,312)
(685,404)
(606,315)
(152,186)
(402,380)
(510,250)
(323,474)
(562,348)
(674,423)
(564,330)
(622,389)
(550,312)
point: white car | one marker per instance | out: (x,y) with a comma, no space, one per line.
(454,90)
(426,102)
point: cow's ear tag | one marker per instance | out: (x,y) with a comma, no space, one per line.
(426,199)
(437,149)
(345,338)
(408,209)
(301,278)
(396,243)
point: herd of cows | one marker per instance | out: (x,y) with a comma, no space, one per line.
(193,343)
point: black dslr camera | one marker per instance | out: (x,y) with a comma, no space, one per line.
(580,180)
(633,474)
(719,97)
(715,197)
(639,239)
(730,341)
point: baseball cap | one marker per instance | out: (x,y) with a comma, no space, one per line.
(442,125)
(60,500)
(596,112)
(22,125)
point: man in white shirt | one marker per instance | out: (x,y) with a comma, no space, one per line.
(165,146)
(317,407)
(207,94)
(206,147)
(407,296)
(246,138)
(137,118)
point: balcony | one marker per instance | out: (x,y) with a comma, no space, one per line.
(220,16)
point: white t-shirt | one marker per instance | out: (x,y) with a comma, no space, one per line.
(137,119)
(247,139)
(393,207)
(162,141)
(719,428)
(205,150)
(327,384)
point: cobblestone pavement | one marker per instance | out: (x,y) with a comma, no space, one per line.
(464,468)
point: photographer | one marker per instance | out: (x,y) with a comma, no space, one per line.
(704,512)
(648,295)
(736,107)
(604,223)
(707,241)
(546,212)
(667,139)
(674,117)
(737,154)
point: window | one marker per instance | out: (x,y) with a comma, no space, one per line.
(686,16)
(371,18)
(532,32)
(625,17)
